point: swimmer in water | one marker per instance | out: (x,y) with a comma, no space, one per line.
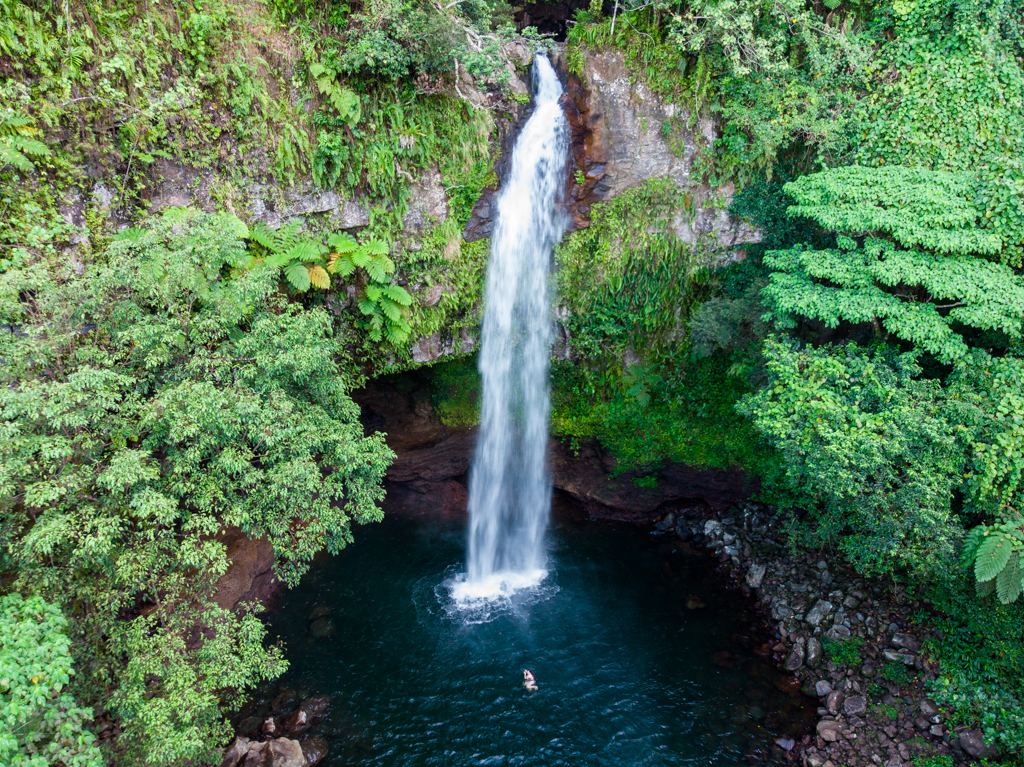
(528,681)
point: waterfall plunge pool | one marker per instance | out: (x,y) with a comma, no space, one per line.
(628,675)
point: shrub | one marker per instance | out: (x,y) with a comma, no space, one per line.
(40,724)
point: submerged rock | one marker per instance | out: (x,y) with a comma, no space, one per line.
(321,628)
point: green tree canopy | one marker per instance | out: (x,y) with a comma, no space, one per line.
(148,406)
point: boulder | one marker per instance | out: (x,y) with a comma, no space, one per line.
(236,752)
(822,688)
(814,652)
(906,642)
(795,659)
(973,743)
(833,702)
(819,612)
(314,750)
(755,575)
(902,657)
(855,705)
(250,574)
(283,752)
(838,633)
(829,730)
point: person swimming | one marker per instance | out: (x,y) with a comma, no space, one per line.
(528,680)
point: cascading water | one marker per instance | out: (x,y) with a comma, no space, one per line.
(509,487)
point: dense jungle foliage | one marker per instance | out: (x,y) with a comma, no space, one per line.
(171,378)
(865,360)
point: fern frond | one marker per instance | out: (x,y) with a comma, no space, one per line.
(264,235)
(1008,580)
(398,294)
(395,335)
(318,277)
(373,293)
(298,275)
(338,263)
(993,555)
(360,257)
(304,250)
(342,242)
(391,310)
(287,236)
(9,156)
(131,234)
(376,248)
(278,260)
(366,306)
(376,269)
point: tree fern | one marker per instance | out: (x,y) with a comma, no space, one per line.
(305,263)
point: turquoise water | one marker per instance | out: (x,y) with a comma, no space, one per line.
(627,674)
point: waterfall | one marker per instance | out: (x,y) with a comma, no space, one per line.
(509,486)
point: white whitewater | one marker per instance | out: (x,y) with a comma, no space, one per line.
(509,485)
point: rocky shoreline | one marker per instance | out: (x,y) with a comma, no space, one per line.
(847,642)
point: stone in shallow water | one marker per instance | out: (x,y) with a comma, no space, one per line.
(667,523)
(320,612)
(695,603)
(285,753)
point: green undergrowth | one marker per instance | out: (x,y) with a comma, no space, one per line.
(636,382)
(690,419)
(455,391)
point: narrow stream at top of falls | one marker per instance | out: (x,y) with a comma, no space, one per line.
(509,487)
